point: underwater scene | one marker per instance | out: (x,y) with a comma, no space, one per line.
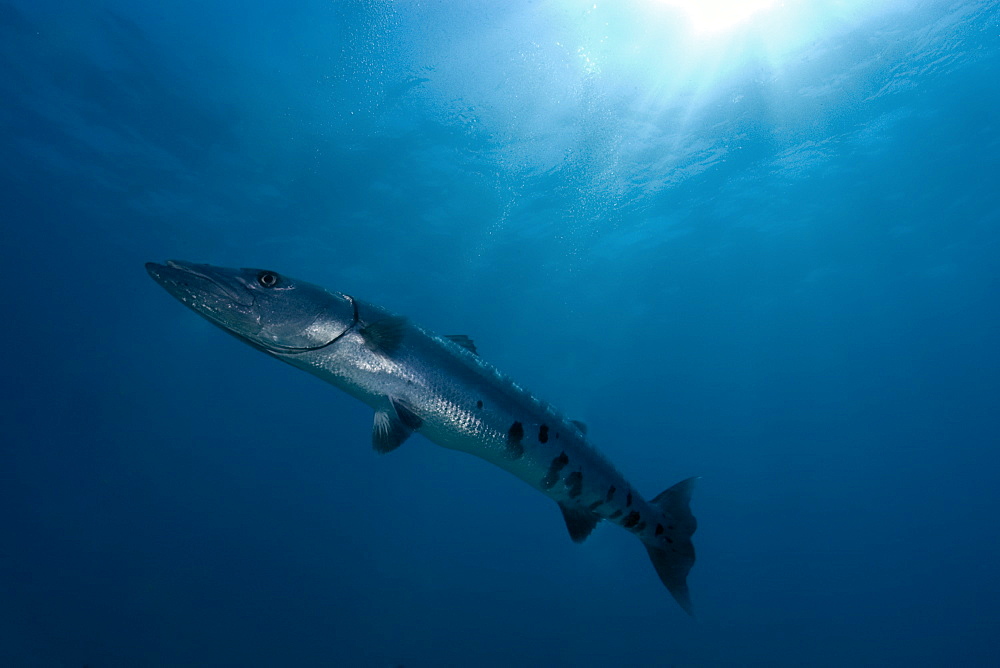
(653,333)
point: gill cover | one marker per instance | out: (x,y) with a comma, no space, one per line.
(295,315)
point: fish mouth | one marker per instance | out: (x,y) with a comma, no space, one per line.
(197,285)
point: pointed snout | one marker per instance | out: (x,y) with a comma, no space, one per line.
(188,280)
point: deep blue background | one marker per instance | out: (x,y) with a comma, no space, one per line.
(776,268)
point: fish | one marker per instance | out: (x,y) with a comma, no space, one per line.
(438,386)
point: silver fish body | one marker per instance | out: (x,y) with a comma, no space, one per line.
(439,387)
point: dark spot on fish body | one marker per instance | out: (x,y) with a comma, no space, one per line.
(516,432)
(639,527)
(611,493)
(514,435)
(479,404)
(615,515)
(670,540)
(552,475)
(659,529)
(596,504)
(631,520)
(543,434)
(628,500)
(574,483)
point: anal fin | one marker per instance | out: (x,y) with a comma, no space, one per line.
(579,521)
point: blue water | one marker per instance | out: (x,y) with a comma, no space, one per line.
(767,256)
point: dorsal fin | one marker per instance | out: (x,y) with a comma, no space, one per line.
(580,522)
(384,335)
(581,426)
(464,341)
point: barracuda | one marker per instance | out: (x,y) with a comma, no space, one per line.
(439,387)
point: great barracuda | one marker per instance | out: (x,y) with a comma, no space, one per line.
(439,387)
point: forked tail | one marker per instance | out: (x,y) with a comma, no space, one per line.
(674,556)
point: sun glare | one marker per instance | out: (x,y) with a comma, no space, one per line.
(678,52)
(716,16)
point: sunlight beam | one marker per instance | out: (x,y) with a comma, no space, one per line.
(716,16)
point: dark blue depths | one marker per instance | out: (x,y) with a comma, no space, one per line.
(777,270)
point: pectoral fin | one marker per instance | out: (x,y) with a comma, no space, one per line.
(384,335)
(393,424)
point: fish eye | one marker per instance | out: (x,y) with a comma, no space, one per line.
(267,279)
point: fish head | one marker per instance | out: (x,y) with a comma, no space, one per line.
(268,310)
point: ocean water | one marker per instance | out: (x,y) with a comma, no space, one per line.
(764,253)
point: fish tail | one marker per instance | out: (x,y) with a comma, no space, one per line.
(673,555)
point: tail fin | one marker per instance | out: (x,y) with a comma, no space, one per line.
(674,557)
